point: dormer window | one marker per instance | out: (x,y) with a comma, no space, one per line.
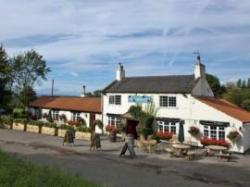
(115,99)
(167,101)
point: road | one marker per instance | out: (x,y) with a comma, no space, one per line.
(110,170)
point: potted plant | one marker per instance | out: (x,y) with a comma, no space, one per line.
(234,136)
(194,131)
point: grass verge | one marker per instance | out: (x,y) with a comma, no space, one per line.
(15,172)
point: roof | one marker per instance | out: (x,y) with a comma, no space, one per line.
(153,84)
(227,108)
(83,104)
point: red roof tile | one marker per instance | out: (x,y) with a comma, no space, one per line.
(227,108)
(84,104)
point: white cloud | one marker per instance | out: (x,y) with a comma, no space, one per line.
(125,30)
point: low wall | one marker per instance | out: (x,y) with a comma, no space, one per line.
(18,126)
(48,131)
(82,135)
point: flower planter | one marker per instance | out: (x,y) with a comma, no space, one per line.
(48,131)
(82,135)
(18,126)
(61,132)
(32,128)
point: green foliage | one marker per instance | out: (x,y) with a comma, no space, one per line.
(238,96)
(65,127)
(83,129)
(28,68)
(15,172)
(6,119)
(20,120)
(145,117)
(5,79)
(246,104)
(215,85)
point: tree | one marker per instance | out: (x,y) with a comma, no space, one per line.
(246,104)
(29,68)
(239,83)
(97,93)
(234,95)
(244,84)
(248,83)
(27,95)
(5,78)
(215,85)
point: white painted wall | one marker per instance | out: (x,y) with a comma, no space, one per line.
(188,109)
(68,114)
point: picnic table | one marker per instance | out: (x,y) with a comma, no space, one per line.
(217,148)
(181,149)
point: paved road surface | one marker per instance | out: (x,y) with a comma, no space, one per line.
(108,169)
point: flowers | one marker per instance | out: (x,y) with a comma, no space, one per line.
(194,131)
(164,135)
(111,128)
(74,123)
(212,141)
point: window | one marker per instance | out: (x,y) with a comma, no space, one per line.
(166,101)
(172,101)
(113,120)
(164,126)
(163,101)
(214,132)
(75,116)
(115,99)
(221,133)
(55,114)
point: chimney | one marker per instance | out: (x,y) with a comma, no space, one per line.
(120,72)
(83,94)
(200,69)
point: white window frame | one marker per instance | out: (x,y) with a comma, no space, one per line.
(167,101)
(215,132)
(115,99)
(75,116)
(113,120)
(164,126)
(55,114)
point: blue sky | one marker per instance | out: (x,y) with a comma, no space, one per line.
(83,40)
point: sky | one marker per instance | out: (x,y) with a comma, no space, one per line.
(84,40)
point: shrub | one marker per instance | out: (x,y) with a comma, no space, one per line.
(233,135)
(6,120)
(20,120)
(65,127)
(83,129)
(194,131)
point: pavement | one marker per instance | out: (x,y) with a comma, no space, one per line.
(107,168)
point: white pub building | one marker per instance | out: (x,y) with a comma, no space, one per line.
(186,99)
